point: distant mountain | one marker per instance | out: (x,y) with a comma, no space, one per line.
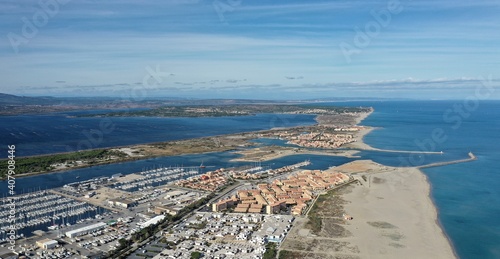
(107,102)
(8,99)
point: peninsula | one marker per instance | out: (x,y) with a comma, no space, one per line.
(330,119)
(348,211)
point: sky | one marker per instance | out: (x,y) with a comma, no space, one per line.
(428,49)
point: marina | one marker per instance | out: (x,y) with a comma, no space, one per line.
(42,210)
(156,177)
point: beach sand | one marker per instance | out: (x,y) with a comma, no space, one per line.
(361,145)
(394,216)
(362,116)
(263,154)
(358,140)
(257,155)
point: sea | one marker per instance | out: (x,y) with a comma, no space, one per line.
(466,195)
(72,131)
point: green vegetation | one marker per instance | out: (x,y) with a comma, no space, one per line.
(381,224)
(271,251)
(191,207)
(144,233)
(124,243)
(232,110)
(196,255)
(46,163)
(315,222)
(200,225)
(284,254)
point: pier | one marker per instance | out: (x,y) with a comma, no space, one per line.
(472,157)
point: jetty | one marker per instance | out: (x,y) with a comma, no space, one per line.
(405,151)
(472,157)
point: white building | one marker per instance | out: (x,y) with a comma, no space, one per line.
(46,243)
(122,203)
(152,221)
(85,230)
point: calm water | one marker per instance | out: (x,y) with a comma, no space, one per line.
(466,195)
(44,134)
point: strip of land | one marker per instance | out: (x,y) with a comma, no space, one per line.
(26,166)
(472,157)
(332,131)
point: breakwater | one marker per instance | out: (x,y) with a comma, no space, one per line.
(472,157)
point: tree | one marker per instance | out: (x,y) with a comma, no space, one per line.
(195,255)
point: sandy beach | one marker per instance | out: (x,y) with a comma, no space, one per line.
(262,155)
(358,140)
(362,116)
(393,217)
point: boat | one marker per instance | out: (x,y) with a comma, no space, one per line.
(53,227)
(201,165)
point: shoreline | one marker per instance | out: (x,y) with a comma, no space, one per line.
(298,150)
(386,212)
(436,211)
(359,143)
(427,185)
(376,203)
(155,152)
(363,116)
(413,220)
(438,222)
(285,153)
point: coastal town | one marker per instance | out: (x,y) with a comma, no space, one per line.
(258,210)
(218,214)
(329,137)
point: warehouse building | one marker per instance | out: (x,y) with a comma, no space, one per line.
(152,221)
(122,203)
(85,230)
(46,243)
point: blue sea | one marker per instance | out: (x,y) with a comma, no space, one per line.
(466,195)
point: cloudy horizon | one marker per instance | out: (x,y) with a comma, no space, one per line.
(250,49)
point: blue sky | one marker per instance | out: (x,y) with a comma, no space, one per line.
(251,49)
